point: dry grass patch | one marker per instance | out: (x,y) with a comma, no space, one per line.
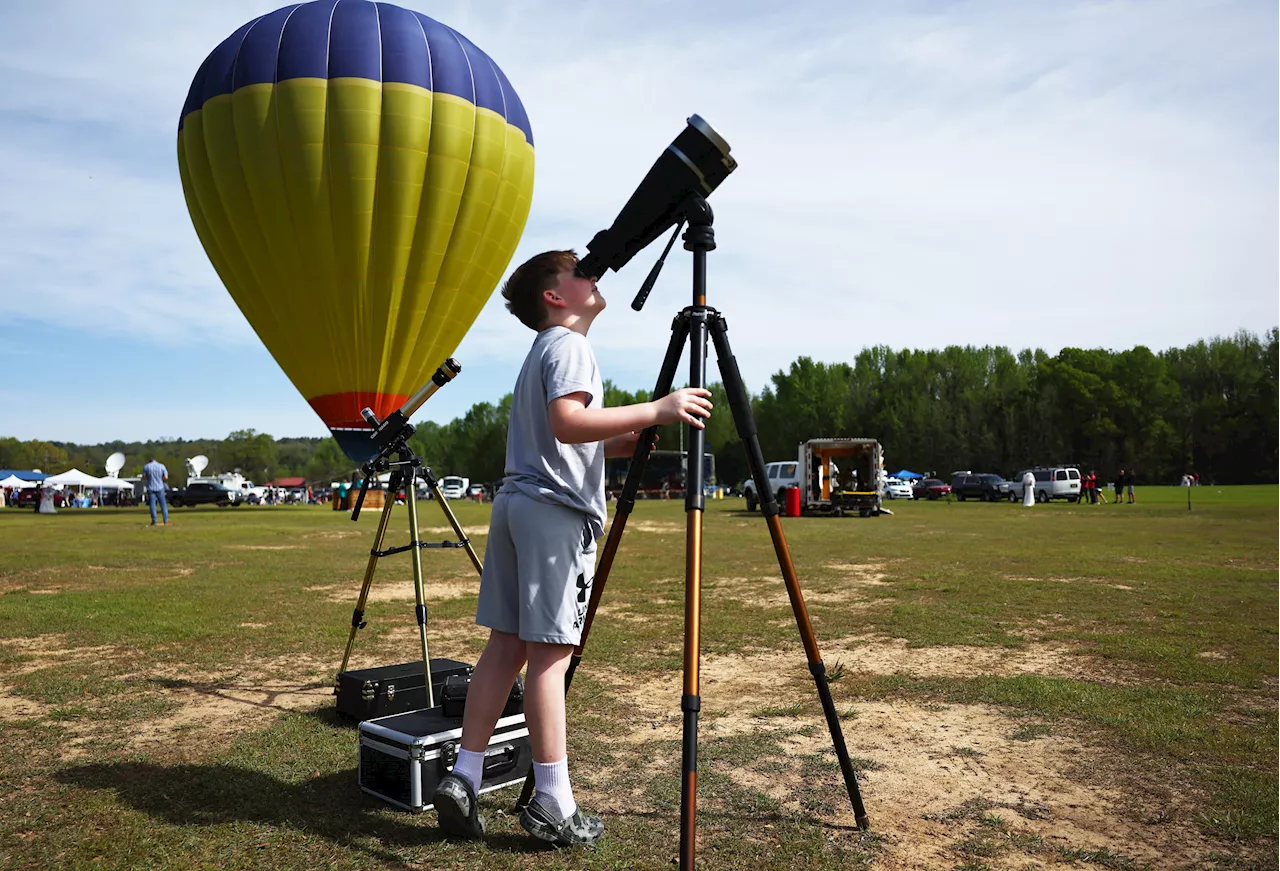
(435,589)
(929,772)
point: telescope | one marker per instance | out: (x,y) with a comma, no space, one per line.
(695,163)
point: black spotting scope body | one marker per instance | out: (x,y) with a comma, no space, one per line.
(694,163)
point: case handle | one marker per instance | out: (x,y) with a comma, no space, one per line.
(500,760)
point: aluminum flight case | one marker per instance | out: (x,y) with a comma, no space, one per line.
(392,689)
(403,757)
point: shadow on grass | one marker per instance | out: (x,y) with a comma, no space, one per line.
(330,806)
(225,692)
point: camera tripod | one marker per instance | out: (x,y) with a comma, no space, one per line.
(692,325)
(406,469)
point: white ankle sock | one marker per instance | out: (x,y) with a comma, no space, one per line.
(470,767)
(552,790)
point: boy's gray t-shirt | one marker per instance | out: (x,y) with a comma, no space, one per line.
(560,362)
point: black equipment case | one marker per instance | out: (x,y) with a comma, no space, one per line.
(392,689)
(453,697)
(403,757)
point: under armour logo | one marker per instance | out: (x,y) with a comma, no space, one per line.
(583,586)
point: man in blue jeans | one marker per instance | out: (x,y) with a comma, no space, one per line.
(154,474)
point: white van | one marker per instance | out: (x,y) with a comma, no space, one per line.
(781,476)
(1060,482)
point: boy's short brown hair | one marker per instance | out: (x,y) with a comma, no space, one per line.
(523,290)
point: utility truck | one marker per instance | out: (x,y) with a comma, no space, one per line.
(454,486)
(841,475)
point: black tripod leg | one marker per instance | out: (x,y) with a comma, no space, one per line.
(746,427)
(626,502)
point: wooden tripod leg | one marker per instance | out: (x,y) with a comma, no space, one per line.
(817,669)
(740,404)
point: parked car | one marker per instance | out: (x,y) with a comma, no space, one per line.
(204,493)
(781,475)
(931,488)
(896,488)
(25,498)
(988,488)
(1052,482)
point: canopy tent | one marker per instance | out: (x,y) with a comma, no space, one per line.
(15,482)
(907,475)
(114,484)
(75,478)
(24,475)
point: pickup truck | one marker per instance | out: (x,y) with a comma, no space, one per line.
(204,493)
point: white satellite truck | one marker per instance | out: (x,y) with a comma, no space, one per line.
(840,476)
(454,486)
(242,489)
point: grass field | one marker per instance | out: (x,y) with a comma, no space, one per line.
(1058,687)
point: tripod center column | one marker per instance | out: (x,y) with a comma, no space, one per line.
(699,239)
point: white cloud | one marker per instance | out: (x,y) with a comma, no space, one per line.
(1087,173)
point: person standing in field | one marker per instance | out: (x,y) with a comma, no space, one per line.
(1119,485)
(154,474)
(1128,482)
(539,561)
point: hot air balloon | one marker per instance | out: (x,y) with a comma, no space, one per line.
(359,175)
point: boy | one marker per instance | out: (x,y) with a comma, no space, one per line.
(540,557)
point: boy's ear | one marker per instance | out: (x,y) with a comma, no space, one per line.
(553,299)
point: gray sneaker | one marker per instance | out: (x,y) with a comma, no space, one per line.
(576,830)
(457,807)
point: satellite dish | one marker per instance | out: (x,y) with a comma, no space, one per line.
(196,465)
(115,463)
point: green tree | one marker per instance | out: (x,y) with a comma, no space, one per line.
(250,452)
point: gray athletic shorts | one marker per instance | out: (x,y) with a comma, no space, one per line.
(538,567)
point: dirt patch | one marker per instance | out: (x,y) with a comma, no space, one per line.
(930,771)
(656,526)
(17,708)
(263,546)
(769,591)
(218,708)
(456,639)
(864,574)
(935,762)
(894,656)
(55,579)
(1099,582)
(47,651)
(398,591)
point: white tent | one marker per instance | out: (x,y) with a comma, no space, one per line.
(75,478)
(14,482)
(114,484)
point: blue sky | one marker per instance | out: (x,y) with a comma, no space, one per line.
(911,174)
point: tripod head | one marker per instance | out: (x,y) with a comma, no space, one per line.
(696,212)
(392,434)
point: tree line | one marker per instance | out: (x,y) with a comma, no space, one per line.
(1208,408)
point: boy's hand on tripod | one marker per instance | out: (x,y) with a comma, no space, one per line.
(686,405)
